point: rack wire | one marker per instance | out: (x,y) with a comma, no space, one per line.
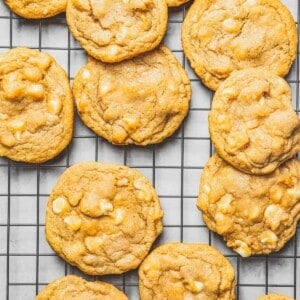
(27,263)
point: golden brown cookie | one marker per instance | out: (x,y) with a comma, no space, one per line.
(219,37)
(37,9)
(177,271)
(36,111)
(254,214)
(112,31)
(103,218)
(174,3)
(140,101)
(74,287)
(252,122)
(275,297)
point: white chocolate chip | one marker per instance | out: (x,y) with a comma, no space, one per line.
(273,216)
(106,206)
(93,243)
(206,188)
(54,106)
(144,195)
(60,205)
(73,222)
(35,91)
(94,206)
(130,124)
(123,181)
(17,125)
(230,25)
(294,193)
(85,74)
(268,237)
(119,216)
(243,249)
(224,205)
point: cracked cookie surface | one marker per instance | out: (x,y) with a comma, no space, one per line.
(254,214)
(74,287)
(174,3)
(252,122)
(37,9)
(140,101)
(36,111)
(177,271)
(103,218)
(219,37)
(275,297)
(112,31)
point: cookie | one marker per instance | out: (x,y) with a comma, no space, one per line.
(112,31)
(103,218)
(37,9)
(252,122)
(36,111)
(275,297)
(177,271)
(140,101)
(74,287)
(254,214)
(219,37)
(174,3)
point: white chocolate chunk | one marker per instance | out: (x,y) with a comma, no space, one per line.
(60,205)
(86,74)
(93,243)
(119,216)
(268,237)
(106,206)
(54,106)
(295,192)
(73,222)
(123,181)
(17,125)
(243,249)
(273,215)
(35,91)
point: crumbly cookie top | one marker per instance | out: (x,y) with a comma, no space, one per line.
(36,112)
(140,101)
(186,271)
(252,122)
(255,214)
(220,37)
(103,218)
(76,288)
(116,30)
(36,9)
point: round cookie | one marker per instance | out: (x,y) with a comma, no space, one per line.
(36,111)
(275,297)
(254,214)
(140,101)
(37,9)
(220,37)
(174,3)
(252,122)
(74,287)
(112,31)
(177,271)
(103,218)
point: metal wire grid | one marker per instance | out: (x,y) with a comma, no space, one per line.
(26,261)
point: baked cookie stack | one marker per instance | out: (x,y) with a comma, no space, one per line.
(250,189)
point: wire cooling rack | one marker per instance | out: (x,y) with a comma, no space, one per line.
(27,263)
